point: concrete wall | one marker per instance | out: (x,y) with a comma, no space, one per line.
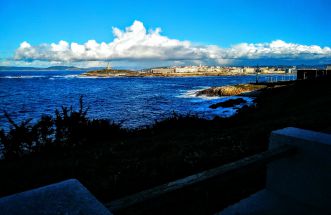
(305,176)
(67,197)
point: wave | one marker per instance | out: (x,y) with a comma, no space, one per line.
(64,76)
(39,76)
(90,77)
(51,77)
(203,109)
(23,76)
(192,94)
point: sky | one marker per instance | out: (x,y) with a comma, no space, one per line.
(164,32)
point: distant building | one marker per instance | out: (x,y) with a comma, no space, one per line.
(187,69)
(163,70)
(290,70)
(236,70)
(249,70)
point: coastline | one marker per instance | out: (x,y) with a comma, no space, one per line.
(249,90)
(172,93)
(129,73)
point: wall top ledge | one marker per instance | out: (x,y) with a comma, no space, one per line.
(303,134)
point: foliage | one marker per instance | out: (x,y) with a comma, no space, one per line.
(68,128)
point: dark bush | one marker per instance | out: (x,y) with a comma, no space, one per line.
(68,128)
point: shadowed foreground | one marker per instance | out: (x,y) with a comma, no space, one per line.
(113,162)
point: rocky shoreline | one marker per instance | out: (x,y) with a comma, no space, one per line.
(228,103)
(247,90)
(231,90)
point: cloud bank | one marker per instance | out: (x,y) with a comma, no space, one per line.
(135,43)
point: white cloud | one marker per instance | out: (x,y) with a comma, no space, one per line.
(135,43)
(277,49)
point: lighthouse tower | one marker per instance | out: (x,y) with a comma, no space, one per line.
(108,66)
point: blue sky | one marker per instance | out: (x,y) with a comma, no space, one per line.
(203,23)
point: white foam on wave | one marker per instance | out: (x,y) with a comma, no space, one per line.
(193,94)
(89,77)
(22,76)
(51,77)
(64,76)
(202,107)
(188,94)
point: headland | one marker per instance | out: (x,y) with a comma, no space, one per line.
(188,71)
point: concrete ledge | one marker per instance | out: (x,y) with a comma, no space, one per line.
(306,176)
(296,184)
(265,202)
(302,134)
(69,197)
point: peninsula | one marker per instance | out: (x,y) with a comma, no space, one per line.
(188,71)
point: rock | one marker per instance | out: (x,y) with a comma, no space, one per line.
(228,103)
(230,90)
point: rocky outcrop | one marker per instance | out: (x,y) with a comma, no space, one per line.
(228,103)
(230,90)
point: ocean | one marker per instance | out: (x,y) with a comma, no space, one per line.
(135,102)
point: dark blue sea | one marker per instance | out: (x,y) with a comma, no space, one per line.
(133,101)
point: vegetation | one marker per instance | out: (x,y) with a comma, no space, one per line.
(113,162)
(68,129)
